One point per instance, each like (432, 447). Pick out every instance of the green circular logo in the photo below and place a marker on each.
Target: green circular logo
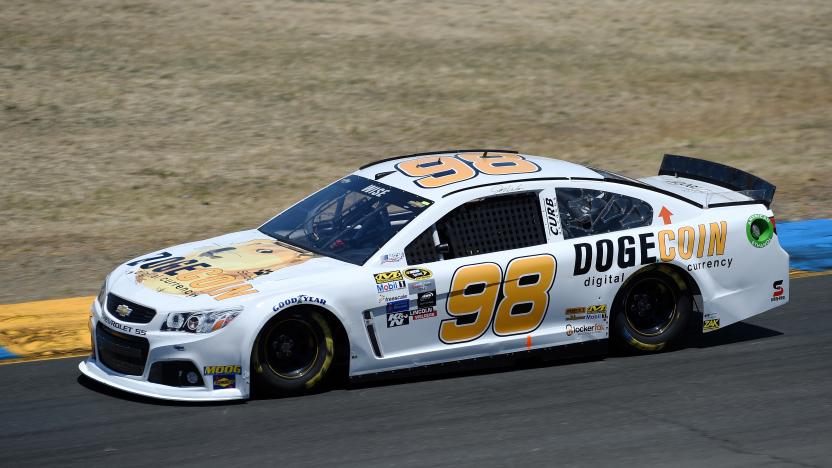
(759, 230)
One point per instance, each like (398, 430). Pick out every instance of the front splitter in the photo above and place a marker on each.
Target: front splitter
(91, 369)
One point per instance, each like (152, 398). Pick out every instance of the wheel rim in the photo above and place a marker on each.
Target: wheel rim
(650, 306)
(291, 348)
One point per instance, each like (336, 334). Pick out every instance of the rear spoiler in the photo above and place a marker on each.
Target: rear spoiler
(718, 174)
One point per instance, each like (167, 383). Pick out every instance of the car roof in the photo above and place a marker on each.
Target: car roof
(385, 171)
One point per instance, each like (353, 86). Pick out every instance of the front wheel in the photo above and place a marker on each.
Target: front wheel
(652, 311)
(293, 352)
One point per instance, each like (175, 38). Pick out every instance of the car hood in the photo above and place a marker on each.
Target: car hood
(220, 272)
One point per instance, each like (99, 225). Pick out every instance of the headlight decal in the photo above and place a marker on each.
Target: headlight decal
(102, 294)
(205, 321)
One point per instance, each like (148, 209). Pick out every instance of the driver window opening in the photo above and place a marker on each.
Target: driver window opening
(487, 225)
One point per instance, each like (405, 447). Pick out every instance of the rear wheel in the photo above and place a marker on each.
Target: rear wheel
(293, 352)
(652, 311)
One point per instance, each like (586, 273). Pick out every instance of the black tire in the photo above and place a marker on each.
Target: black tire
(293, 352)
(652, 311)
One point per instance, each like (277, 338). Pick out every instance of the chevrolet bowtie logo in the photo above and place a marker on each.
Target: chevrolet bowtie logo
(123, 310)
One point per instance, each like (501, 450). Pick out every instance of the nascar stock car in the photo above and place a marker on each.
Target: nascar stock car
(443, 257)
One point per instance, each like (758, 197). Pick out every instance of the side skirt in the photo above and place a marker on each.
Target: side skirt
(560, 353)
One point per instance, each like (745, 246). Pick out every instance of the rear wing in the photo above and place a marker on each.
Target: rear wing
(718, 174)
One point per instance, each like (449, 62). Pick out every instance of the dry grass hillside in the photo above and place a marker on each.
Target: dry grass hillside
(128, 126)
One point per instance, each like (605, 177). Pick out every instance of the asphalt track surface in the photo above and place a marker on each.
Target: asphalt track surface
(758, 393)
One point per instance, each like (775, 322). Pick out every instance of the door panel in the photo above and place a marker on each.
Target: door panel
(505, 285)
(485, 304)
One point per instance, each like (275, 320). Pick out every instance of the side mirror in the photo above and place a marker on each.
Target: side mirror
(443, 249)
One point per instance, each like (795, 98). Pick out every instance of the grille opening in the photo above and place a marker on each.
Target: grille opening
(120, 352)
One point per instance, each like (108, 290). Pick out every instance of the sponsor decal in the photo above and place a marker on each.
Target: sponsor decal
(593, 312)
(392, 258)
(552, 217)
(418, 274)
(397, 319)
(575, 313)
(710, 325)
(685, 243)
(721, 263)
(426, 299)
(779, 293)
(375, 190)
(687, 185)
(382, 299)
(598, 311)
(122, 328)
(300, 299)
(215, 370)
(604, 253)
(398, 306)
(582, 329)
(759, 230)
(222, 272)
(421, 286)
(691, 243)
(601, 280)
(391, 286)
(388, 276)
(423, 313)
(418, 204)
(222, 381)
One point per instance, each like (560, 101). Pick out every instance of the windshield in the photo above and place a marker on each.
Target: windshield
(349, 220)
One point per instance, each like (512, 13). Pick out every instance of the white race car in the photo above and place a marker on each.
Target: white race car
(436, 258)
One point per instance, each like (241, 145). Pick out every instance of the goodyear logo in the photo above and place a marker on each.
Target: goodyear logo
(388, 276)
(213, 370)
(709, 325)
(594, 309)
(418, 273)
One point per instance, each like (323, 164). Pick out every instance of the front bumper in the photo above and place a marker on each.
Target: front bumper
(220, 348)
(92, 369)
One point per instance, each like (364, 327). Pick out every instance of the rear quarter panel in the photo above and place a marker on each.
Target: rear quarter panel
(738, 281)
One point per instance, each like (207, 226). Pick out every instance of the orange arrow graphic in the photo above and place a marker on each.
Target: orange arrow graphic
(665, 215)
